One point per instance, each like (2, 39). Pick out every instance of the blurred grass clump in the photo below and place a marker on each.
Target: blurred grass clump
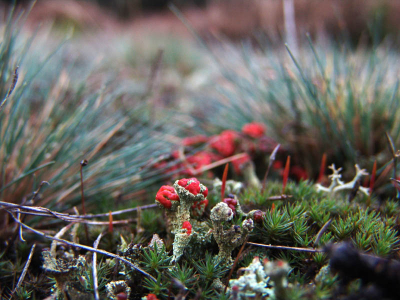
(68, 106)
(325, 98)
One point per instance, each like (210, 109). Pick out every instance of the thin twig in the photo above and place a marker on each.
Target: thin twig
(94, 268)
(84, 247)
(287, 248)
(78, 220)
(280, 197)
(45, 212)
(219, 163)
(35, 193)
(119, 212)
(59, 234)
(21, 238)
(22, 277)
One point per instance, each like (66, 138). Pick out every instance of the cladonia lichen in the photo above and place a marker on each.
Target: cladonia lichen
(186, 194)
(260, 280)
(228, 239)
(338, 185)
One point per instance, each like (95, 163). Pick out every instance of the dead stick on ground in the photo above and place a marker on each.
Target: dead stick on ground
(84, 247)
(47, 212)
(287, 248)
(21, 278)
(94, 268)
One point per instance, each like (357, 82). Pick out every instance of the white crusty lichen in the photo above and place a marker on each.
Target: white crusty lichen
(231, 186)
(339, 185)
(260, 280)
(228, 239)
(116, 288)
(253, 282)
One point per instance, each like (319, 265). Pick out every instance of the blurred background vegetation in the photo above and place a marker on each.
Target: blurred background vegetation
(132, 65)
(123, 83)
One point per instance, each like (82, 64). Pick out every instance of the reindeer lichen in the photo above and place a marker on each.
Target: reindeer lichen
(338, 185)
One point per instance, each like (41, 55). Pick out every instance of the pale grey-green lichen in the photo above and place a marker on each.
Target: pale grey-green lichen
(260, 280)
(63, 269)
(231, 186)
(253, 283)
(338, 185)
(116, 287)
(228, 239)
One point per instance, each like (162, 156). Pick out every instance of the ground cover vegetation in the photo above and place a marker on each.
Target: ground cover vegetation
(158, 171)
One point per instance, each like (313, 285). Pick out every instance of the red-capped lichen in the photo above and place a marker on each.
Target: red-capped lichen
(199, 207)
(255, 130)
(189, 192)
(193, 186)
(165, 194)
(225, 142)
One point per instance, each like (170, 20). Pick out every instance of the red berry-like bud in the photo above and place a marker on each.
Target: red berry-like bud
(231, 202)
(151, 297)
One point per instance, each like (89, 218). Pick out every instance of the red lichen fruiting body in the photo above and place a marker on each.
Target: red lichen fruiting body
(255, 130)
(205, 193)
(165, 194)
(224, 143)
(199, 160)
(198, 205)
(186, 225)
(192, 185)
